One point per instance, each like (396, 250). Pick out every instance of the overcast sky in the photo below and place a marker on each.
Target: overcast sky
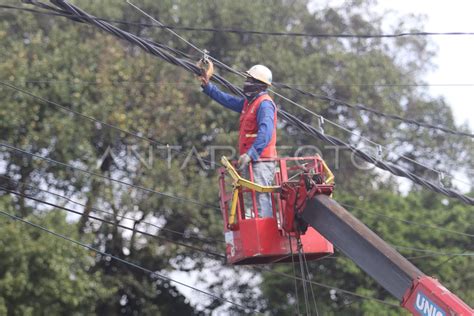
(455, 59)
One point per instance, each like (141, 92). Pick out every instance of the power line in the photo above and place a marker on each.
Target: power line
(251, 32)
(339, 102)
(407, 221)
(214, 254)
(200, 249)
(364, 108)
(208, 252)
(432, 252)
(185, 235)
(181, 83)
(152, 49)
(390, 167)
(167, 195)
(206, 239)
(100, 122)
(267, 269)
(125, 35)
(321, 97)
(153, 273)
(148, 271)
(154, 141)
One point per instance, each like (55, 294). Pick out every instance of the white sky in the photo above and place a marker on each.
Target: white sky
(455, 58)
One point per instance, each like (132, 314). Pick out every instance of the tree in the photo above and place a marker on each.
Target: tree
(91, 72)
(45, 275)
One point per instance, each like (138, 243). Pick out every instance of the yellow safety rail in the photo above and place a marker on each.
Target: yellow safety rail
(241, 182)
(328, 172)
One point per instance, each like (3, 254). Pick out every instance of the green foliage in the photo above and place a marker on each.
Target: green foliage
(93, 73)
(42, 274)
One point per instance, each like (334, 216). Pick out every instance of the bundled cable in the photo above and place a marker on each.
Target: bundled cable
(181, 54)
(79, 15)
(364, 108)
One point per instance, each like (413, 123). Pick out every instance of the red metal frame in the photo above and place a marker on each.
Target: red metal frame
(427, 297)
(266, 240)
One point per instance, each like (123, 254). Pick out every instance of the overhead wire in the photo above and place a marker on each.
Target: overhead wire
(373, 111)
(101, 122)
(293, 88)
(150, 272)
(185, 235)
(281, 96)
(204, 250)
(77, 81)
(251, 32)
(205, 239)
(321, 97)
(392, 168)
(212, 253)
(153, 273)
(268, 269)
(197, 248)
(330, 99)
(150, 140)
(378, 214)
(98, 175)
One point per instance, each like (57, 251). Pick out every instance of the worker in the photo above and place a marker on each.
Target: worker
(257, 129)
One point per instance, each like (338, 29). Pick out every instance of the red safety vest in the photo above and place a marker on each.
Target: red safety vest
(249, 127)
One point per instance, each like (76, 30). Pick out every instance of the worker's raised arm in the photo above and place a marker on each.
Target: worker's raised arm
(227, 100)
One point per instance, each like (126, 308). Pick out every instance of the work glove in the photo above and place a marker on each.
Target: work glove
(243, 161)
(206, 72)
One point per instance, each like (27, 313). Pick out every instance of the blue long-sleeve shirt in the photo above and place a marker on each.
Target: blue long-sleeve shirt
(265, 117)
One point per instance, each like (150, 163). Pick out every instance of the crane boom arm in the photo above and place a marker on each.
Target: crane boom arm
(418, 293)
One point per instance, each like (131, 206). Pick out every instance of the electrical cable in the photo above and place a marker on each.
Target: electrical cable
(214, 254)
(361, 107)
(466, 254)
(202, 250)
(320, 97)
(137, 187)
(153, 273)
(394, 169)
(390, 167)
(310, 284)
(285, 86)
(297, 299)
(279, 273)
(253, 32)
(185, 235)
(442, 229)
(180, 83)
(167, 195)
(100, 122)
(199, 238)
(268, 269)
(243, 75)
(150, 272)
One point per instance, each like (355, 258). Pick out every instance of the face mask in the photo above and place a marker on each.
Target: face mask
(251, 89)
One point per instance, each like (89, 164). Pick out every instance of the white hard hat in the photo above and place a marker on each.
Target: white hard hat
(261, 73)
